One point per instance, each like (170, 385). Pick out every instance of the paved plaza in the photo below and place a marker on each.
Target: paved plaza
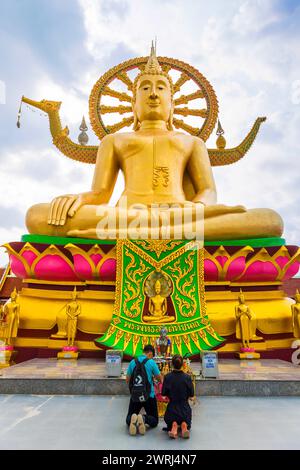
(97, 422)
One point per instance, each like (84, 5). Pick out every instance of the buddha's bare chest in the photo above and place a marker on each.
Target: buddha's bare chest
(155, 151)
(157, 301)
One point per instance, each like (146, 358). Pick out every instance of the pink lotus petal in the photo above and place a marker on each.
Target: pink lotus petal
(210, 270)
(82, 267)
(108, 270)
(54, 268)
(235, 268)
(282, 261)
(70, 348)
(6, 348)
(292, 270)
(17, 267)
(29, 256)
(96, 258)
(260, 271)
(222, 260)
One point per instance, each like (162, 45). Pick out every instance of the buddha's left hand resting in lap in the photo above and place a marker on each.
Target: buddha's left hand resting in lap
(154, 159)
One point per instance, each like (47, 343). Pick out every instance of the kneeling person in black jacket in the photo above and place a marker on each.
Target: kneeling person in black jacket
(178, 387)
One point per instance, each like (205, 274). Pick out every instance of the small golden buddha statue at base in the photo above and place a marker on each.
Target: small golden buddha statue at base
(246, 325)
(9, 325)
(10, 319)
(73, 310)
(296, 315)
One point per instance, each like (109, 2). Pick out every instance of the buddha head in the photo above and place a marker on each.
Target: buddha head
(74, 294)
(153, 94)
(157, 287)
(241, 297)
(14, 295)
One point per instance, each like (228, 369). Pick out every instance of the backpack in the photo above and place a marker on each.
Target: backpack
(139, 385)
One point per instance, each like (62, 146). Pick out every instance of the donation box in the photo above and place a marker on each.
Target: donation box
(113, 360)
(210, 367)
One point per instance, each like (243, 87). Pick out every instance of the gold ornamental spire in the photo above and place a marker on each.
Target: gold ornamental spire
(152, 66)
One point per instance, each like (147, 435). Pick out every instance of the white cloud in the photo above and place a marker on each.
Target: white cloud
(8, 235)
(255, 15)
(73, 106)
(2, 92)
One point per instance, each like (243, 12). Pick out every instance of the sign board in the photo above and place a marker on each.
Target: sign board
(210, 367)
(113, 362)
(113, 359)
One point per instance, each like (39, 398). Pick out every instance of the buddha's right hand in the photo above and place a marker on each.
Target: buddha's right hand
(221, 209)
(63, 206)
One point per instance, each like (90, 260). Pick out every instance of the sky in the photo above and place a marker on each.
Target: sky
(57, 50)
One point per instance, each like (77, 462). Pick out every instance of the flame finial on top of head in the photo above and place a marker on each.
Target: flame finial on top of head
(152, 65)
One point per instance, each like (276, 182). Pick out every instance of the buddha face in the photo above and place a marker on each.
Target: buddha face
(14, 296)
(153, 98)
(157, 287)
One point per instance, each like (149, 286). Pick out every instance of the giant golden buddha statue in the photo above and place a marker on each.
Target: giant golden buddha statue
(160, 167)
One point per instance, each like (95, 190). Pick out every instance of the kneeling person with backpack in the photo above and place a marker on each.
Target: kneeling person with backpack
(140, 375)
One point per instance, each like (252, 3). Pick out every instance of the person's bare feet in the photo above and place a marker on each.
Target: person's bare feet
(185, 433)
(141, 424)
(133, 424)
(173, 434)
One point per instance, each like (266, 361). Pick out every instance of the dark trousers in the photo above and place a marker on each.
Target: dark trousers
(179, 412)
(150, 406)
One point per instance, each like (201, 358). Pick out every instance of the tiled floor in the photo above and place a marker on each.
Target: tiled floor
(97, 422)
(229, 369)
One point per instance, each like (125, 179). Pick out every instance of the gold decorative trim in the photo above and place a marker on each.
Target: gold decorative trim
(54, 283)
(5, 275)
(159, 246)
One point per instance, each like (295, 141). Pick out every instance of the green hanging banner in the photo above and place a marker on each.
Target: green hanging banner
(160, 283)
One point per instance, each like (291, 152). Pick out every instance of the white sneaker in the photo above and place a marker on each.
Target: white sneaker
(133, 424)
(141, 424)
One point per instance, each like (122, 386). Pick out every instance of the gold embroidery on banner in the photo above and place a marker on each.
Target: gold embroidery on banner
(204, 337)
(159, 264)
(110, 332)
(136, 340)
(118, 336)
(119, 277)
(132, 289)
(201, 286)
(177, 341)
(127, 338)
(195, 339)
(159, 246)
(187, 343)
(187, 290)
